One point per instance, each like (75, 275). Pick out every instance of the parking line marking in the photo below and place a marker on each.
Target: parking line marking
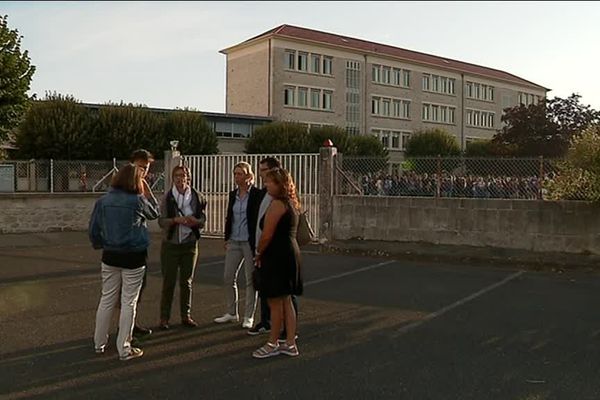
(458, 303)
(356, 271)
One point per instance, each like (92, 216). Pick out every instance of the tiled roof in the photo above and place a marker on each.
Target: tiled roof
(300, 33)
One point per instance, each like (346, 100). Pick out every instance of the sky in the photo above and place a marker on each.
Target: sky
(166, 54)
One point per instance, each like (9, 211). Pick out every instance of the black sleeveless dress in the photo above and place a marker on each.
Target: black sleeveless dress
(280, 271)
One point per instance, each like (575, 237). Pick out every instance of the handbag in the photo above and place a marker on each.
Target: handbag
(305, 233)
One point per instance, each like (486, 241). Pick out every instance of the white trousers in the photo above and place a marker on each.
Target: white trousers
(238, 254)
(128, 283)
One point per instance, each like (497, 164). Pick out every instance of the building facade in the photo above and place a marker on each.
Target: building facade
(297, 74)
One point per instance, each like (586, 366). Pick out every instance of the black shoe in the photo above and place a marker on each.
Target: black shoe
(140, 333)
(259, 329)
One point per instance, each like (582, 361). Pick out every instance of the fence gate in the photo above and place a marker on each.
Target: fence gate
(212, 175)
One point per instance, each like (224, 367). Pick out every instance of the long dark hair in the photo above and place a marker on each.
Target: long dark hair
(287, 191)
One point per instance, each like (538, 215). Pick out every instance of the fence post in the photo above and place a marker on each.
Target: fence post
(327, 157)
(172, 159)
(541, 180)
(114, 162)
(438, 179)
(51, 175)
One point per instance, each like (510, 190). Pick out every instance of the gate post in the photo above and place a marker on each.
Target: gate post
(327, 158)
(172, 159)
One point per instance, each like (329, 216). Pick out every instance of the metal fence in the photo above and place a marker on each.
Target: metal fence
(212, 175)
(459, 177)
(67, 176)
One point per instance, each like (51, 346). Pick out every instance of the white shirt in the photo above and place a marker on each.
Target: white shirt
(264, 205)
(184, 202)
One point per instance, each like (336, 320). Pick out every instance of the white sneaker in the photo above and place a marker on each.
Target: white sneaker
(248, 323)
(226, 318)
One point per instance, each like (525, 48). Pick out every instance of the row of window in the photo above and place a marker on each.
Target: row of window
(528, 98)
(304, 97)
(479, 91)
(308, 62)
(438, 113)
(394, 140)
(438, 84)
(390, 107)
(390, 76)
(480, 119)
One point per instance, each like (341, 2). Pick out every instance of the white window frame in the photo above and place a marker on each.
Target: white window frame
(305, 91)
(289, 96)
(327, 65)
(315, 58)
(289, 53)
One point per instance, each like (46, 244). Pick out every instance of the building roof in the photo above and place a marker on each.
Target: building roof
(305, 34)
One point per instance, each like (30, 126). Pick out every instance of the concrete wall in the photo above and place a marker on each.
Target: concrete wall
(44, 212)
(569, 227)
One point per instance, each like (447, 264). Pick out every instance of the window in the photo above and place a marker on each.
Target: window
(290, 57)
(438, 84)
(405, 78)
(375, 105)
(302, 97)
(387, 72)
(386, 107)
(479, 91)
(327, 97)
(376, 73)
(405, 139)
(327, 65)
(315, 63)
(395, 140)
(480, 118)
(314, 98)
(390, 107)
(438, 113)
(288, 96)
(302, 61)
(397, 77)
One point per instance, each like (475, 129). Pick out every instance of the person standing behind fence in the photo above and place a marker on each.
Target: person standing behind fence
(238, 232)
(278, 262)
(142, 159)
(182, 218)
(118, 227)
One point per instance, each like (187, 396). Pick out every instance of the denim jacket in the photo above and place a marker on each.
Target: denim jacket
(118, 222)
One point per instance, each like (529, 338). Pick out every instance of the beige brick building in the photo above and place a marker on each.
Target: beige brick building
(298, 74)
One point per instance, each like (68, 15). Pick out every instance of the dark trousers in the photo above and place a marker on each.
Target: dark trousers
(177, 258)
(265, 312)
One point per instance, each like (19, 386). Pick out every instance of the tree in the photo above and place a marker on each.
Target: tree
(432, 142)
(121, 128)
(279, 137)
(58, 127)
(579, 175)
(16, 72)
(546, 128)
(318, 135)
(192, 132)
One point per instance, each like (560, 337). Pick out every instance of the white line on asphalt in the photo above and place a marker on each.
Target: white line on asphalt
(458, 303)
(356, 271)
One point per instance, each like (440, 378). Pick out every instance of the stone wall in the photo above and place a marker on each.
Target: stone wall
(568, 227)
(44, 212)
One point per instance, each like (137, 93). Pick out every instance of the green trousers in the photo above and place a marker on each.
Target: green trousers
(177, 258)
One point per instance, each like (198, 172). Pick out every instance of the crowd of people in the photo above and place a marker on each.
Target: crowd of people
(469, 186)
(261, 226)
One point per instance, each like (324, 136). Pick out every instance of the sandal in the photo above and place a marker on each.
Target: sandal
(289, 350)
(266, 351)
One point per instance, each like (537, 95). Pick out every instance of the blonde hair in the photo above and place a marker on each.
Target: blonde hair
(247, 168)
(287, 189)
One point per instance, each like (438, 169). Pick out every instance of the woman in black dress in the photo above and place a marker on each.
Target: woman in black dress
(278, 262)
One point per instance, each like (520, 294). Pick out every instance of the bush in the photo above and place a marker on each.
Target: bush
(432, 142)
(579, 174)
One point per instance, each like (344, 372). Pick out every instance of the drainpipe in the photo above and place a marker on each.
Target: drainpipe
(462, 112)
(366, 94)
(269, 82)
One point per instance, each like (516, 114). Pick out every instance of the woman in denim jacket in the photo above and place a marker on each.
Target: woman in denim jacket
(118, 227)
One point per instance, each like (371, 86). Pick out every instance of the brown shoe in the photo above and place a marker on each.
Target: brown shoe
(189, 322)
(164, 325)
